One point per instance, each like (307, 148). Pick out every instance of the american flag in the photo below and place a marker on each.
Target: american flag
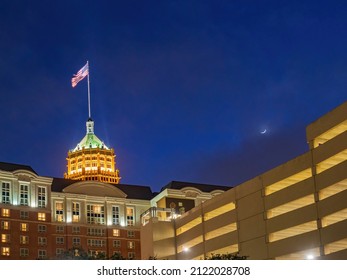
(81, 74)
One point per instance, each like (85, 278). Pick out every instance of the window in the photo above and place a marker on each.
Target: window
(130, 216)
(95, 253)
(59, 251)
(5, 238)
(5, 193)
(116, 232)
(24, 252)
(59, 240)
(116, 243)
(42, 254)
(5, 225)
(131, 244)
(95, 214)
(59, 229)
(24, 239)
(5, 212)
(24, 195)
(42, 228)
(41, 216)
(131, 233)
(24, 227)
(41, 197)
(75, 212)
(115, 215)
(24, 215)
(75, 230)
(59, 211)
(76, 241)
(5, 251)
(42, 241)
(131, 255)
(96, 231)
(96, 242)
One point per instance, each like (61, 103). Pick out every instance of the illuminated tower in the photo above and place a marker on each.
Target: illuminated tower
(92, 160)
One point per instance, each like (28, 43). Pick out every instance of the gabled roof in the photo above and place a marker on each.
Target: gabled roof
(10, 167)
(132, 191)
(202, 187)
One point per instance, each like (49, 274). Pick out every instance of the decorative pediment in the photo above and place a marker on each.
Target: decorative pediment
(25, 175)
(191, 192)
(216, 192)
(95, 188)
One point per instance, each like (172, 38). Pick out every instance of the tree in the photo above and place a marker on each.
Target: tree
(227, 256)
(74, 253)
(117, 256)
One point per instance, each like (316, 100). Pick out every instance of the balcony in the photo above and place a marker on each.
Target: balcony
(158, 214)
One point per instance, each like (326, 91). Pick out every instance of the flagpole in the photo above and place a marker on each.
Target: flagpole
(88, 91)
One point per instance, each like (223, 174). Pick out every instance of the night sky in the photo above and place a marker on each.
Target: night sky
(180, 89)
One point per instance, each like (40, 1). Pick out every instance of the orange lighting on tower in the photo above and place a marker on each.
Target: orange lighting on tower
(92, 160)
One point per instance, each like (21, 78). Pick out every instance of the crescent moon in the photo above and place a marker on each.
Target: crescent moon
(263, 132)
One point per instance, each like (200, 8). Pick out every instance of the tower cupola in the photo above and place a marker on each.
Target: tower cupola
(92, 160)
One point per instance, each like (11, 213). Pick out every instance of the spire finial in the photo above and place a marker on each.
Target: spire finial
(90, 126)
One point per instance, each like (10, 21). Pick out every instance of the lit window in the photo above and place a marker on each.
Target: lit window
(116, 232)
(5, 251)
(24, 252)
(130, 216)
(41, 197)
(59, 211)
(5, 238)
(5, 212)
(5, 225)
(24, 195)
(42, 254)
(5, 193)
(24, 239)
(41, 216)
(75, 212)
(131, 244)
(24, 226)
(95, 214)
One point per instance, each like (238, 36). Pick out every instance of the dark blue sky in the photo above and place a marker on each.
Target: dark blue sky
(180, 89)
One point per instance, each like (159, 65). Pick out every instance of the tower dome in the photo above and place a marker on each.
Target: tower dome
(92, 160)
